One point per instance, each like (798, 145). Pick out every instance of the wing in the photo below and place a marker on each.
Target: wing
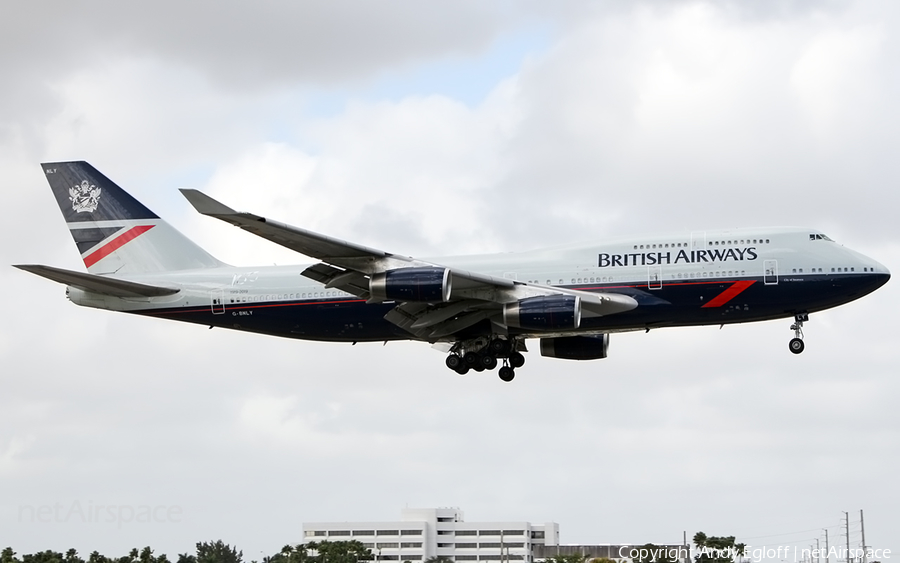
(359, 270)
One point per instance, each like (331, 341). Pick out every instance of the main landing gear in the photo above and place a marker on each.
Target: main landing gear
(796, 344)
(480, 355)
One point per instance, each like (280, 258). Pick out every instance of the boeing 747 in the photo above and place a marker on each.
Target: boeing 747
(479, 309)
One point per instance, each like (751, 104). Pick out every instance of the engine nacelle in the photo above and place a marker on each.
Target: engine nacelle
(428, 285)
(551, 312)
(576, 347)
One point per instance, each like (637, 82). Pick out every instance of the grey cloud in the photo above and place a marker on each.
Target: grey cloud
(754, 154)
(236, 47)
(245, 46)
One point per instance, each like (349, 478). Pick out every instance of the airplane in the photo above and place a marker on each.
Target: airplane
(480, 310)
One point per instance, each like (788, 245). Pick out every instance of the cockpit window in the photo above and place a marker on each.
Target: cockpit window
(818, 236)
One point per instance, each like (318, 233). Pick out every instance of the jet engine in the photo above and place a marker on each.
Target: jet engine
(427, 285)
(550, 312)
(576, 347)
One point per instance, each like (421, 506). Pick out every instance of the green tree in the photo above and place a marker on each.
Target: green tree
(567, 558)
(8, 556)
(339, 552)
(291, 554)
(48, 556)
(186, 558)
(716, 549)
(218, 552)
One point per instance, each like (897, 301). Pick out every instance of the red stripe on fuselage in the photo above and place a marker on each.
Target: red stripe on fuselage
(730, 293)
(115, 244)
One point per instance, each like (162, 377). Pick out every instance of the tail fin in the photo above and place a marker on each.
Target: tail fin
(115, 232)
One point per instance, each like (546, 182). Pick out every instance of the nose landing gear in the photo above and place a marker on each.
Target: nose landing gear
(796, 344)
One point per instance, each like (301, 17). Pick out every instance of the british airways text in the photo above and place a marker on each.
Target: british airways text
(658, 258)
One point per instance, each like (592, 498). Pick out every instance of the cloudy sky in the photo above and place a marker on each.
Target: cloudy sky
(450, 128)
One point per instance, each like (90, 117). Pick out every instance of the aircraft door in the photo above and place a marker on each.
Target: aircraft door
(770, 272)
(654, 277)
(698, 240)
(217, 301)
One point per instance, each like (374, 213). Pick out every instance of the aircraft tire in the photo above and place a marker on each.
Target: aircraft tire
(463, 369)
(796, 345)
(499, 347)
(507, 373)
(453, 361)
(471, 359)
(489, 362)
(516, 359)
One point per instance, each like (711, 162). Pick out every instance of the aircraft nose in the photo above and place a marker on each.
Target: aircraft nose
(882, 274)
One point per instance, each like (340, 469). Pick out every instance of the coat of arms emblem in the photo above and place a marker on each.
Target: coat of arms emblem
(85, 197)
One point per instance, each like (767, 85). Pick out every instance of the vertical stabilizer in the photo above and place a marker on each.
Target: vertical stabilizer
(115, 232)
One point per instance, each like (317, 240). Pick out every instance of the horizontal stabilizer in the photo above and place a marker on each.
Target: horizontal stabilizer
(97, 284)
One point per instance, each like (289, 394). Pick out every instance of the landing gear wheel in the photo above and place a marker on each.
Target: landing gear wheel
(463, 369)
(453, 361)
(796, 344)
(499, 347)
(488, 362)
(516, 359)
(507, 373)
(471, 359)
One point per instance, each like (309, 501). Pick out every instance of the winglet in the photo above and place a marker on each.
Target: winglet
(205, 204)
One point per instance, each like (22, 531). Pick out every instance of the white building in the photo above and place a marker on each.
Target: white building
(439, 532)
